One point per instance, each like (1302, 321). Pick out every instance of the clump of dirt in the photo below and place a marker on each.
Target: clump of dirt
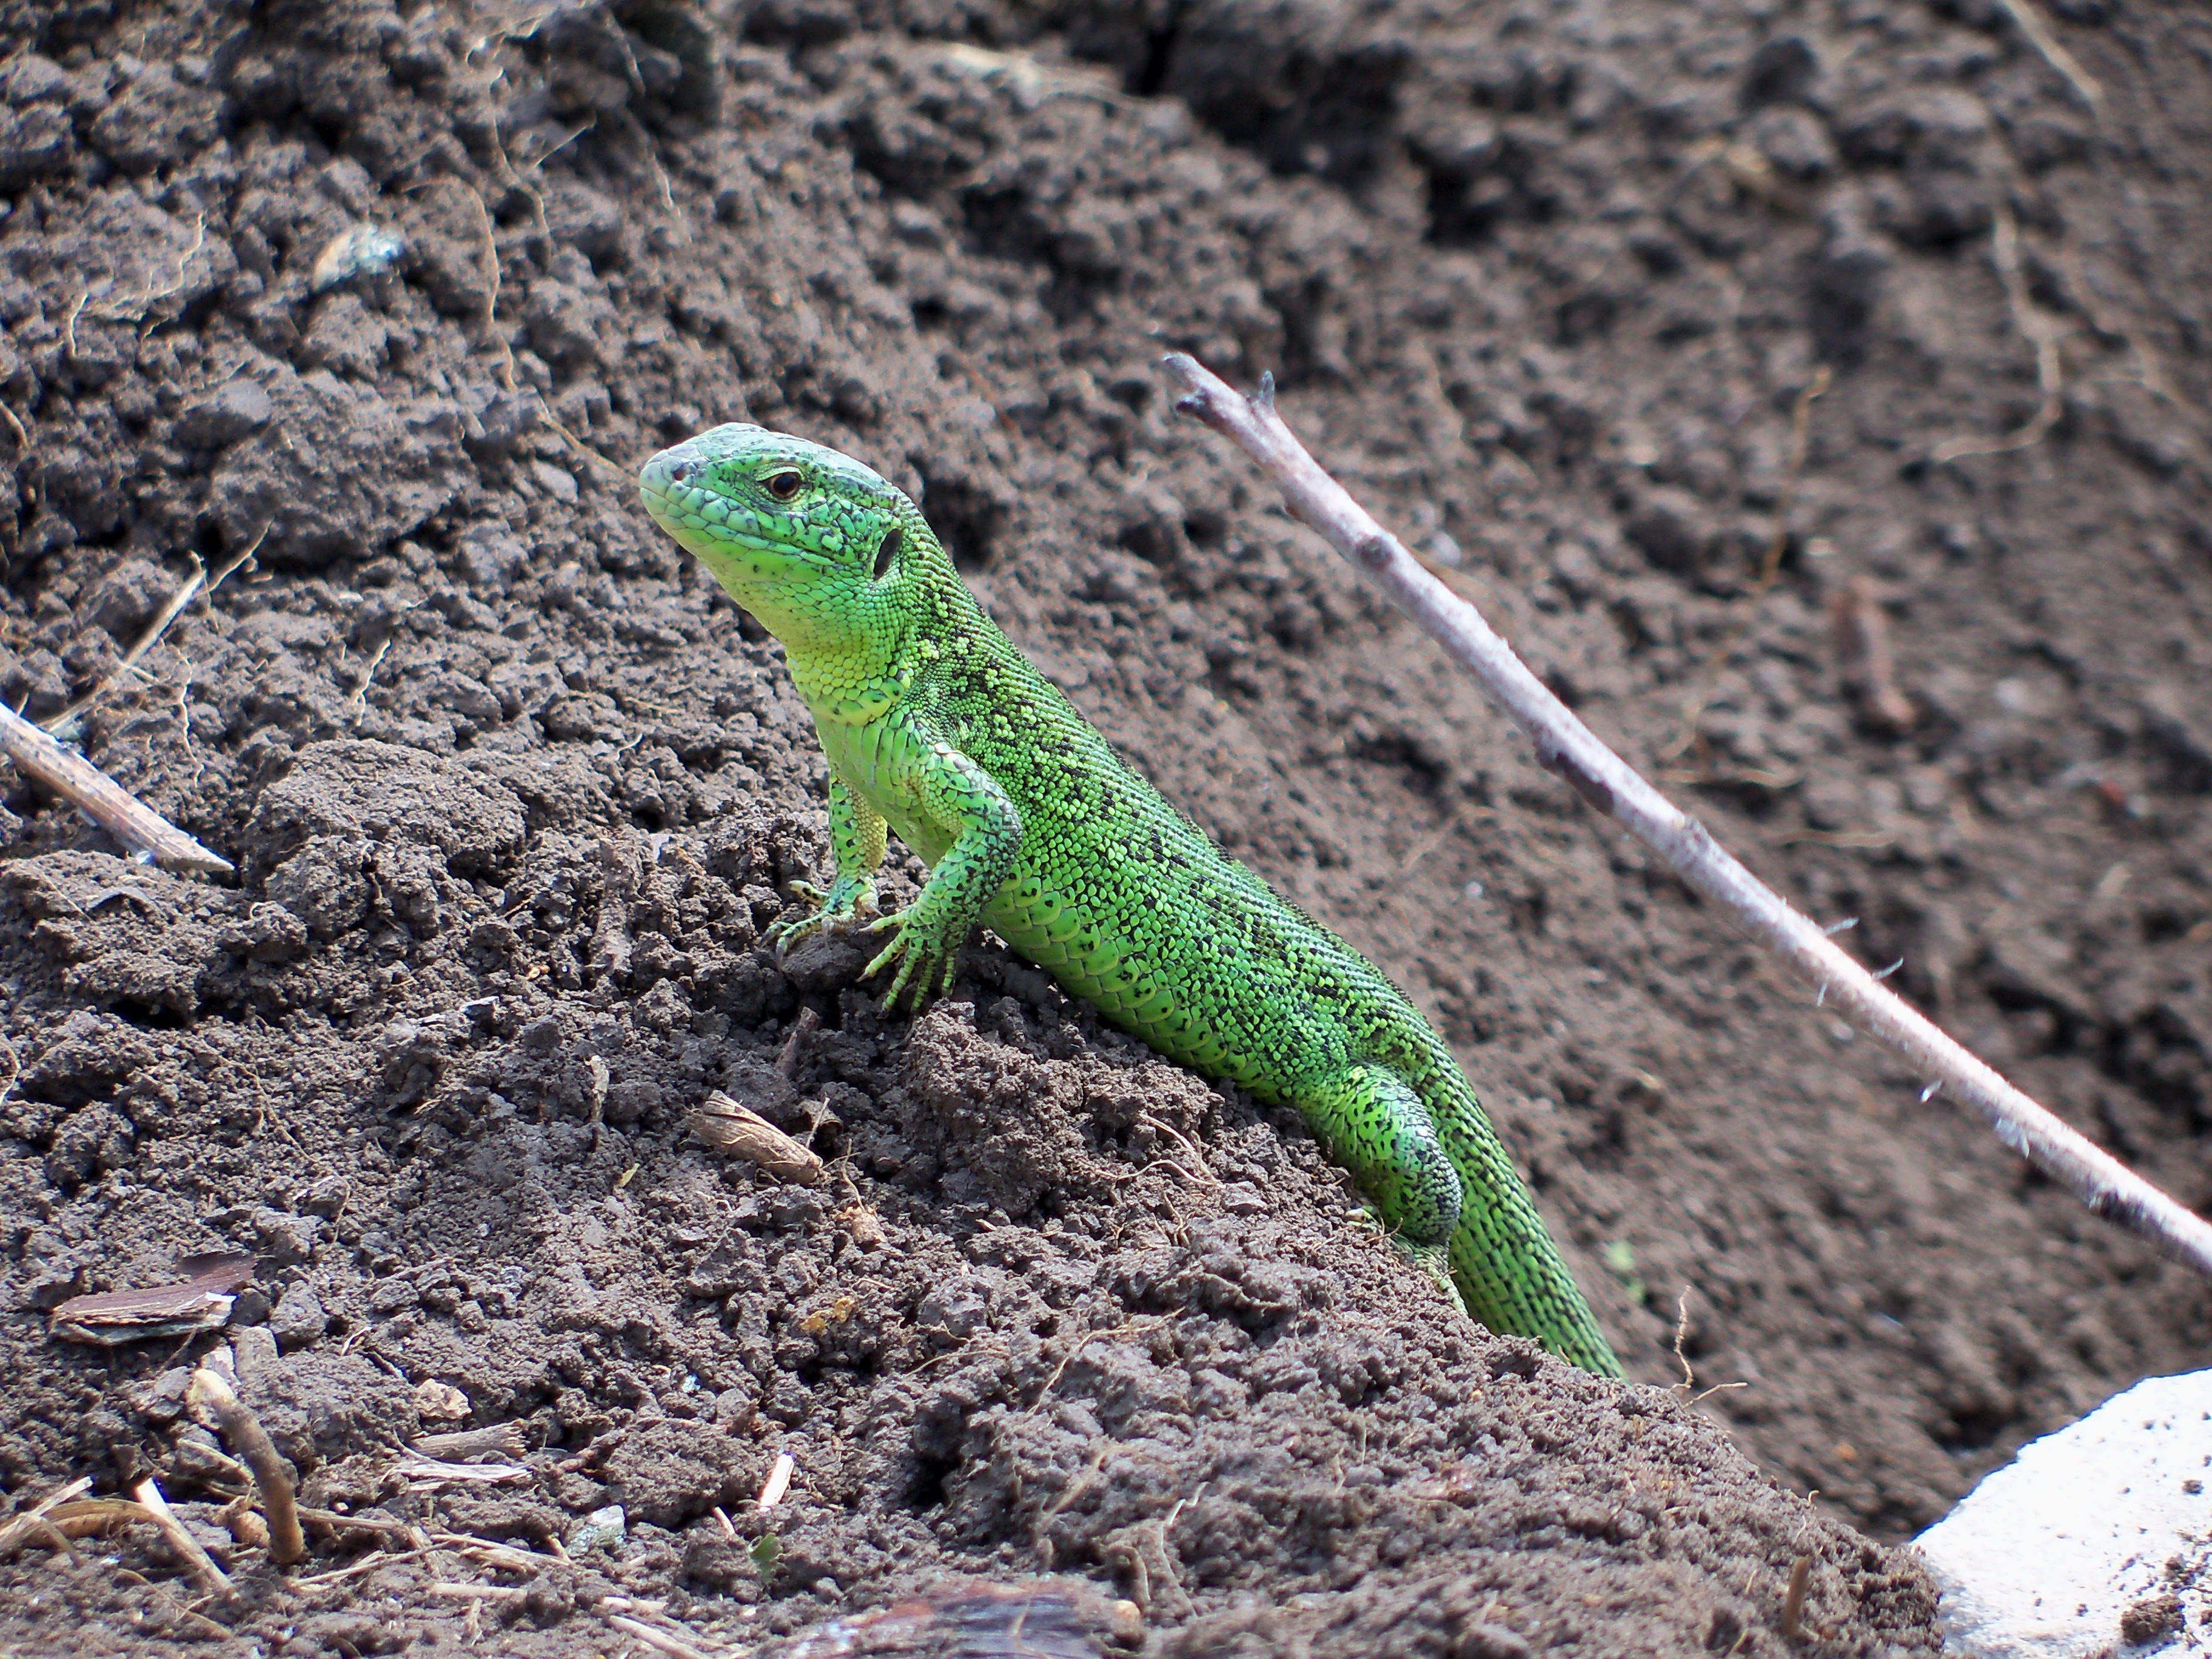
(515, 795)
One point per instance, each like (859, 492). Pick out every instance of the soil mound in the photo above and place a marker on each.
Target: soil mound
(309, 293)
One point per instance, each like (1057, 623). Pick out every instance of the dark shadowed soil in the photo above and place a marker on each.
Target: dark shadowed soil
(513, 794)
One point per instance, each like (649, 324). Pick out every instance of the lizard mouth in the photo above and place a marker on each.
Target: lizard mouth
(663, 483)
(709, 526)
(686, 511)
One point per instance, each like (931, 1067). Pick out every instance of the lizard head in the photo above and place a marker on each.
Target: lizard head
(813, 543)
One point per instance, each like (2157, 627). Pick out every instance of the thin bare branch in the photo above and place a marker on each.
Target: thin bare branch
(67, 725)
(661, 1641)
(1564, 745)
(106, 802)
(794, 1046)
(1793, 1600)
(502, 1438)
(32, 1523)
(505, 1595)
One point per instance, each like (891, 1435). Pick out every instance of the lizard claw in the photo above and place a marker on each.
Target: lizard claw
(1435, 1260)
(926, 960)
(845, 903)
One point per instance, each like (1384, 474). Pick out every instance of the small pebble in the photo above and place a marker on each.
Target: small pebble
(362, 250)
(602, 1530)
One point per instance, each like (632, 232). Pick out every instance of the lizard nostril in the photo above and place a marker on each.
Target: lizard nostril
(682, 471)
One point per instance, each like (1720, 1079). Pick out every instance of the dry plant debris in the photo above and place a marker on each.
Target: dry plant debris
(84, 786)
(201, 1302)
(732, 1127)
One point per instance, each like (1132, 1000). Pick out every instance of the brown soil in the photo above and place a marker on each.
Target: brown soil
(514, 793)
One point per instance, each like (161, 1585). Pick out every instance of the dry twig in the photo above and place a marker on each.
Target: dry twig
(368, 1564)
(20, 1529)
(210, 1391)
(505, 1594)
(357, 700)
(99, 798)
(1687, 1387)
(190, 1555)
(778, 1482)
(66, 725)
(483, 1551)
(2040, 331)
(503, 1438)
(1858, 629)
(377, 1526)
(2031, 23)
(1564, 745)
(1793, 1599)
(1205, 1177)
(794, 1046)
(424, 1473)
(659, 1641)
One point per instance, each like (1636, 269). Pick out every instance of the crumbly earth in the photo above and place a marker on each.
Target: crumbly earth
(513, 794)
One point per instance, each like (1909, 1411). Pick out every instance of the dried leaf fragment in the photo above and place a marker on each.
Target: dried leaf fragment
(866, 1226)
(423, 1473)
(200, 1303)
(500, 1439)
(441, 1402)
(729, 1126)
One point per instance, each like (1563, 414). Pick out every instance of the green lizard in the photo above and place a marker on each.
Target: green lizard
(936, 727)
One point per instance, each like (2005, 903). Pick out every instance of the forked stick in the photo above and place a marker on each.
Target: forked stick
(1566, 746)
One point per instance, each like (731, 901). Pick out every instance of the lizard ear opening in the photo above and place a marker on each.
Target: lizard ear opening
(887, 550)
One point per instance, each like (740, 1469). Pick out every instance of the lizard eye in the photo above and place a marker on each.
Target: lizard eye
(785, 485)
(886, 550)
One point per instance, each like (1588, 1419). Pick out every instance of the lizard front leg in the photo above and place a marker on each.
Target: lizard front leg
(856, 846)
(959, 796)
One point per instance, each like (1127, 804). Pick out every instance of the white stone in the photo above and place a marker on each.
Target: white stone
(2045, 1558)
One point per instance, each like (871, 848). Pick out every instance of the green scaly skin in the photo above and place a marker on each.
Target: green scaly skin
(937, 728)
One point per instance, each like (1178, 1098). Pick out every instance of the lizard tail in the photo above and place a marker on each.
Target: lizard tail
(1506, 1265)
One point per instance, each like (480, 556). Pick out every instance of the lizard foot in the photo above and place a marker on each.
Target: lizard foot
(850, 901)
(1435, 1260)
(925, 949)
